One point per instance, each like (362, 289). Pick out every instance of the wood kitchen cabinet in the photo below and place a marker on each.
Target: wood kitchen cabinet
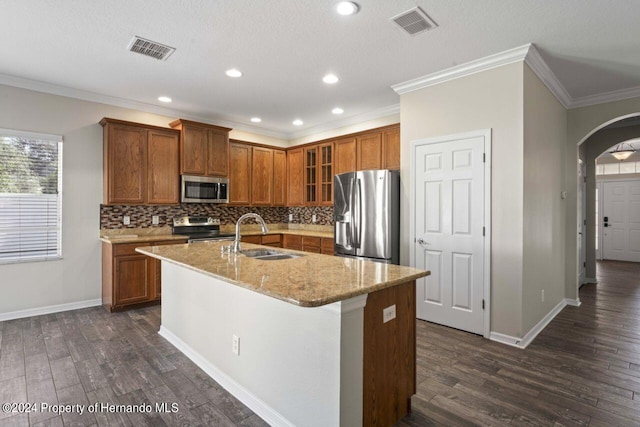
(327, 246)
(391, 148)
(279, 177)
(140, 163)
(204, 148)
(261, 176)
(295, 174)
(345, 155)
(318, 175)
(240, 173)
(369, 151)
(274, 240)
(130, 279)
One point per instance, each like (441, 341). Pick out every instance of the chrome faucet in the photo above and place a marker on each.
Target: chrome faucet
(236, 242)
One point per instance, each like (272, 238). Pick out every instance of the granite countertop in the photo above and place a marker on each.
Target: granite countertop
(143, 235)
(309, 281)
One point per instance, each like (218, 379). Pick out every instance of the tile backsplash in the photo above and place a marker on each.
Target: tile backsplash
(111, 216)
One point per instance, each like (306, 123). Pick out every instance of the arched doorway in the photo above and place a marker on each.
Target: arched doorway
(597, 142)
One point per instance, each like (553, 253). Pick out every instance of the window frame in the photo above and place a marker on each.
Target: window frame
(45, 137)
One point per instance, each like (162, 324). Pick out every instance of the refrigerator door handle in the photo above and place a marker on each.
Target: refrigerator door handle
(351, 240)
(358, 213)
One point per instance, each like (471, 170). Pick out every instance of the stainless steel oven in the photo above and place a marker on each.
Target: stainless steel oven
(204, 189)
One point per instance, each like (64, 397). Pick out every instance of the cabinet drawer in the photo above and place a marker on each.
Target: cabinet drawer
(311, 244)
(290, 241)
(271, 238)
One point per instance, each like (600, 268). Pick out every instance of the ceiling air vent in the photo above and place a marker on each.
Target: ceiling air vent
(149, 48)
(414, 21)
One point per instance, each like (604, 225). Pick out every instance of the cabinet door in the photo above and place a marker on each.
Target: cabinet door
(279, 178)
(345, 156)
(327, 246)
(155, 279)
(291, 241)
(163, 174)
(239, 174)
(132, 281)
(325, 174)
(311, 176)
(218, 157)
(391, 149)
(194, 150)
(262, 176)
(369, 151)
(125, 154)
(311, 244)
(295, 168)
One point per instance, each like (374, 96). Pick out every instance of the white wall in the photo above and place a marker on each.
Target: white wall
(545, 133)
(77, 277)
(490, 99)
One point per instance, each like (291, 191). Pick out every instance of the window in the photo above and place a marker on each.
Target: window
(30, 196)
(617, 168)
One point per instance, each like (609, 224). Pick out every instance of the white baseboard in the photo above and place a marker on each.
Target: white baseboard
(267, 413)
(590, 280)
(573, 302)
(533, 333)
(49, 309)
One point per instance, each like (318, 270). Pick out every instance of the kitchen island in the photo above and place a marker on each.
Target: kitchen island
(300, 341)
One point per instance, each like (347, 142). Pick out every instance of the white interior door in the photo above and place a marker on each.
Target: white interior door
(621, 220)
(449, 216)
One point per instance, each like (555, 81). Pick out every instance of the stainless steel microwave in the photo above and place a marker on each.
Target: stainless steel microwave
(204, 189)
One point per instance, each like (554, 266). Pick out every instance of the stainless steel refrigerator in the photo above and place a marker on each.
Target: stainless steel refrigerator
(367, 215)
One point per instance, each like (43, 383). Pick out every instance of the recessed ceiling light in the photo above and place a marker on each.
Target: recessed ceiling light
(337, 110)
(164, 99)
(347, 8)
(298, 122)
(330, 79)
(234, 73)
(256, 119)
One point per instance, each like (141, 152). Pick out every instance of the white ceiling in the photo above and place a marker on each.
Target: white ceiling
(284, 47)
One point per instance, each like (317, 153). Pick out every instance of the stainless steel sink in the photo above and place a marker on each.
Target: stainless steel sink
(267, 254)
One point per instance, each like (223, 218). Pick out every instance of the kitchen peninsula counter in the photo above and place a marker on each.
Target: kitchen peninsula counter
(316, 340)
(310, 280)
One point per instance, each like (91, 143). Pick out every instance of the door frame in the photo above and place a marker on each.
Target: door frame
(486, 134)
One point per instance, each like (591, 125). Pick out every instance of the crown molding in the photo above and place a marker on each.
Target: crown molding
(534, 60)
(601, 98)
(348, 121)
(487, 63)
(83, 95)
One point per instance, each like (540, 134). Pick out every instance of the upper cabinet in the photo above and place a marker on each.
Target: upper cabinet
(279, 177)
(318, 174)
(262, 176)
(204, 148)
(369, 151)
(345, 155)
(391, 148)
(140, 163)
(239, 173)
(295, 173)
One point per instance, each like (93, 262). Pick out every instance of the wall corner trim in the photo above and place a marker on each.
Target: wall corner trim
(49, 309)
(533, 333)
(267, 413)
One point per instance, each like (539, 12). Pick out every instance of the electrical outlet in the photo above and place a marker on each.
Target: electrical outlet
(290, 217)
(389, 313)
(235, 345)
(542, 296)
(155, 220)
(126, 220)
(313, 218)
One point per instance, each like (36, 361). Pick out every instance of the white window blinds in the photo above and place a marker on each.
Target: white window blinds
(30, 196)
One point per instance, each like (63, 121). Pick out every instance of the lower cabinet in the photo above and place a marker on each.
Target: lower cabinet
(130, 279)
(267, 240)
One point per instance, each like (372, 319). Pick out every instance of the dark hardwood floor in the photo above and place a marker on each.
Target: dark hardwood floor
(583, 369)
(89, 355)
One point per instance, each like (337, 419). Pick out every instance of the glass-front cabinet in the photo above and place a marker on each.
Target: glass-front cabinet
(318, 174)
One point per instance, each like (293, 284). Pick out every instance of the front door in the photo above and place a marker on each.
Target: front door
(449, 220)
(621, 220)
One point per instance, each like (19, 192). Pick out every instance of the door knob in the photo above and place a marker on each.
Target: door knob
(421, 241)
